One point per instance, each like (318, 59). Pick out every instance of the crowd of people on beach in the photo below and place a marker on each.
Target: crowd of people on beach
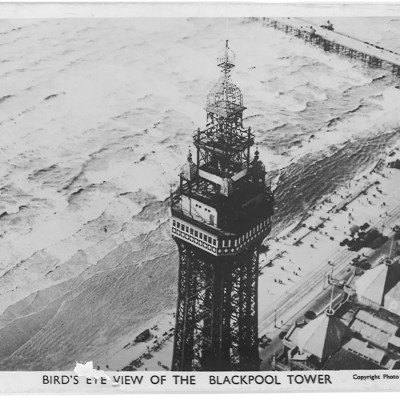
(347, 197)
(158, 344)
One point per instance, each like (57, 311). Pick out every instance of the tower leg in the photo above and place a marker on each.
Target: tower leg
(245, 312)
(184, 332)
(216, 318)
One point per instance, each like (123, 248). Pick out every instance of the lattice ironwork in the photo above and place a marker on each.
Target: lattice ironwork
(216, 322)
(225, 99)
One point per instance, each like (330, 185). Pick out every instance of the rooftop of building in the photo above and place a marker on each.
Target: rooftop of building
(370, 342)
(346, 360)
(392, 300)
(377, 282)
(321, 337)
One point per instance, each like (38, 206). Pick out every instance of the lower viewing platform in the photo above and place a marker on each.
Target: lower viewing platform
(218, 243)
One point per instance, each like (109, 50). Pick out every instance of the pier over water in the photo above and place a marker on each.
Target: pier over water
(330, 40)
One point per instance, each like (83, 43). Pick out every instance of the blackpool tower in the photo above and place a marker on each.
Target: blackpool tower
(221, 213)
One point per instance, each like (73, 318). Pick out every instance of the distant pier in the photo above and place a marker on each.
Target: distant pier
(332, 41)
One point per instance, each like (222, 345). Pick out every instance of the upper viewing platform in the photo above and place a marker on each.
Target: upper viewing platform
(218, 142)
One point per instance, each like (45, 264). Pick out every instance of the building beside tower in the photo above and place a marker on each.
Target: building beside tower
(361, 332)
(221, 213)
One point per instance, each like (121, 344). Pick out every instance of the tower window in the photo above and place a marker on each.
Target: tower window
(201, 236)
(196, 233)
(173, 223)
(214, 242)
(191, 231)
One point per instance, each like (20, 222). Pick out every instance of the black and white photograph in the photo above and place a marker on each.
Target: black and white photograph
(200, 194)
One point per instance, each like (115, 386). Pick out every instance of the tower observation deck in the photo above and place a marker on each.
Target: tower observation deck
(221, 213)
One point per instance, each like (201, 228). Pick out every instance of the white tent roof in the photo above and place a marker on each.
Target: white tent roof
(372, 284)
(322, 336)
(392, 300)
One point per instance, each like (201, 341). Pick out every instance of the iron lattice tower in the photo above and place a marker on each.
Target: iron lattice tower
(221, 213)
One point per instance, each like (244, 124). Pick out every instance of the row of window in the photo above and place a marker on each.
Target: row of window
(194, 233)
(210, 240)
(373, 326)
(362, 355)
(236, 242)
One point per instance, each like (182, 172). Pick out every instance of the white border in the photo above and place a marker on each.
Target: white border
(163, 9)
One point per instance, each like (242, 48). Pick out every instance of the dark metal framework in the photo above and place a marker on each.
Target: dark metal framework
(216, 319)
(221, 153)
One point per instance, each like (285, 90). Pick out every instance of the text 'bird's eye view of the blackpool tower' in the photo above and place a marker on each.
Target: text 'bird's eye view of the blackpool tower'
(221, 213)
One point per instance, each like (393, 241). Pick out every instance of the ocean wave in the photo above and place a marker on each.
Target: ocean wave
(335, 120)
(379, 78)
(250, 117)
(71, 182)
(307, 63)
(52, 96)
(278, 127)
(40, 172)
(13, 210)
(4, 98)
